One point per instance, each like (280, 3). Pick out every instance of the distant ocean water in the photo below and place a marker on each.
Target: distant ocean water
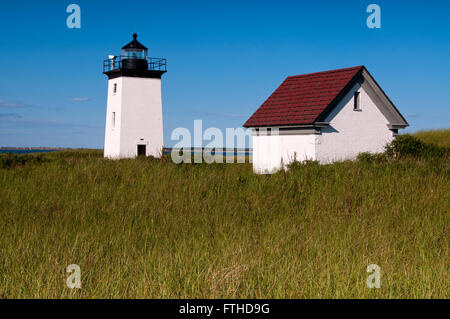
(25, 151)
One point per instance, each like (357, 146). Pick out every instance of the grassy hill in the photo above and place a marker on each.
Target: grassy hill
(438, 137)
(148, 228)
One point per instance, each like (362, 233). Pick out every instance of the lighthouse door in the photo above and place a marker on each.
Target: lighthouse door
(141, 150)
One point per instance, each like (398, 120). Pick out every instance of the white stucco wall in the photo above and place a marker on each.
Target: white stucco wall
(352, 132)
(271, 152)
(138, 108)
(112, 134)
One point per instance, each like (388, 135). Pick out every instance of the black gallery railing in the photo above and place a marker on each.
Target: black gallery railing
(118, 62)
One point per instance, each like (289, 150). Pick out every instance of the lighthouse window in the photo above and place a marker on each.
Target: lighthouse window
(113, 120)
(134, 54)
(115, 88)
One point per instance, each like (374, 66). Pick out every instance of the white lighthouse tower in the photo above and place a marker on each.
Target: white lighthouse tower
(134, 123)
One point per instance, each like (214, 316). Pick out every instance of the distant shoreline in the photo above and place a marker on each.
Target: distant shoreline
(28, 150)
(34, 148)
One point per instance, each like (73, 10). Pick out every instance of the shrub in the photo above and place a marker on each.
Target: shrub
(367, 157)
(297, 164)
(9, 160)
(410, 146)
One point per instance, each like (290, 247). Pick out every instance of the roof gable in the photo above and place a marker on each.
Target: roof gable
(307, 99)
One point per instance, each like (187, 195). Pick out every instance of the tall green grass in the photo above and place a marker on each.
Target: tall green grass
(148, 228)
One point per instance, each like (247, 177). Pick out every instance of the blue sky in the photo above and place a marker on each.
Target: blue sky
(224, 59)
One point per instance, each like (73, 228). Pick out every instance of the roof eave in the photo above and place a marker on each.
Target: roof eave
(404, 123)
(397, 126)
(290, 126)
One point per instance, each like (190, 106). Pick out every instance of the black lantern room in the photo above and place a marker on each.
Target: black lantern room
(135, 62)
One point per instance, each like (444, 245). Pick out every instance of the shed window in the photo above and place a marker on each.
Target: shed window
(115, 88)
(357, 102)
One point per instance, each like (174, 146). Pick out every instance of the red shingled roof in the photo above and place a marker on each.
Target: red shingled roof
(301, 99)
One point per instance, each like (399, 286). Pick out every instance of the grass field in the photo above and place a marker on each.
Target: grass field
(148, 228)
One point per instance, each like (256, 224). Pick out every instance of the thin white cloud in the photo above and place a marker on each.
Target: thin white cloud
(10, 115)
(13, 105)
(229, 115)
(17, 121)
(80, 99)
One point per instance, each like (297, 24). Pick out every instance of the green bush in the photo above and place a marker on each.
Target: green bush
(410, 146)
(367, 157)
(298, 164)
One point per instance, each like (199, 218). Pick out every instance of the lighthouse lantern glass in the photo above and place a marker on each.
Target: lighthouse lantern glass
(135, 53)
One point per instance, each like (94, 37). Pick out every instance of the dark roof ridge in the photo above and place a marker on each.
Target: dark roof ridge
(326, 72)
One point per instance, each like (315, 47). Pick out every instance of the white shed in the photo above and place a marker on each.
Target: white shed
(326, 116)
